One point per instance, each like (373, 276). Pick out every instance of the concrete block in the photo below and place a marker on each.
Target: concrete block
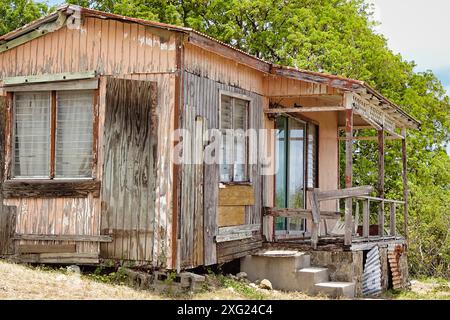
(336, 289)
(308, 277)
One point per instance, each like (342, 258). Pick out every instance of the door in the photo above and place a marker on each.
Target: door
(290, 177)
(129, 174)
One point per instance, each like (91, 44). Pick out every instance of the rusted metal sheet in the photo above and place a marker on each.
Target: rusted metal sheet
(129, 177)
(371, 282)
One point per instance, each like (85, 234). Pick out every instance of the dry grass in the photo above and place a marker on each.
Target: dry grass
(21, 282)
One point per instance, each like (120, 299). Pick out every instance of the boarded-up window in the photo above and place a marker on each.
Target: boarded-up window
(43, 117)
(234, 147)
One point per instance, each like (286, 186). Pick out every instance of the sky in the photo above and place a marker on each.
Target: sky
(417, 29)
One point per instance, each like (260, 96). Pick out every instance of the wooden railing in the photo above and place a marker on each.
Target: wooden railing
(357, 194)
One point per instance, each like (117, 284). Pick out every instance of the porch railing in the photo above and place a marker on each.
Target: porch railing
(351, 196)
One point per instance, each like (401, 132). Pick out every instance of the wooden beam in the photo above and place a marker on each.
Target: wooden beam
(299, 213)
(392, 220)
(239, 229)
(348, 175)
(344, 193)
(39, 32)
(315, 207)
(405, 185)
(366, 212)
(62, 237)
(380, 187)
(11, 81)
(51, 188)
(84, 84)
(370, 138)
(304, 109)
(46, 248)
(228, 52)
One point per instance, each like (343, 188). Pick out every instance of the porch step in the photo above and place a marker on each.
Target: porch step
(308, 277)
(278, 266)
(335, 289)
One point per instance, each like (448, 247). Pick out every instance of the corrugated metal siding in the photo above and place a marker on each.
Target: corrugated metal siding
(371, 283)
(202, 95)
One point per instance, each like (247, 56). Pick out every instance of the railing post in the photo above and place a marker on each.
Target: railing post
(392, 220)
(348, 174)
(356, 221)
(366, 210)
(381, 219)
(405, 185)
(315, 211)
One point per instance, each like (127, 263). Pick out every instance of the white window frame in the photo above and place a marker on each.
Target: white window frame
(248, 147)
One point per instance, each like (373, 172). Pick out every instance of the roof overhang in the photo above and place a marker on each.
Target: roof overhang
(224, 49)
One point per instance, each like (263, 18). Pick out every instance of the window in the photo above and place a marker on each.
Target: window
(296, 156)
(53, 134)
(234, 147)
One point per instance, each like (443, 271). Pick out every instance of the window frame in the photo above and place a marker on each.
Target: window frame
(249, 100)
(10, 136)
(306, 190)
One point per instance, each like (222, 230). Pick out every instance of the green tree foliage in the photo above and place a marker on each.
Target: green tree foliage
(16, 13)
(334, 36)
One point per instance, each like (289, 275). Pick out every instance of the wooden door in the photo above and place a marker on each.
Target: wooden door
(129, 170)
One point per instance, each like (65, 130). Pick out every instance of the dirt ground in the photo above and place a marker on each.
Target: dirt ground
(23, 282)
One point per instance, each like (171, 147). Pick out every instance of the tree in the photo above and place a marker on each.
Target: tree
(16, 13)
(334, 36)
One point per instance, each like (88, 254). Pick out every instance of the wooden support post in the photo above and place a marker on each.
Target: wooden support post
(392, 220)
(315, 210)
(348, 174)
(366, 211)
(405, 185)
(356, 222)
(381, 181)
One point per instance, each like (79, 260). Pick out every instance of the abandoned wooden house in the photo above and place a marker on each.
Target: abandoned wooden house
(91, 104)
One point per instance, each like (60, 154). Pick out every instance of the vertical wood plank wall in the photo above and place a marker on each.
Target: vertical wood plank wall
(124, 50)
(201, 97)
(129, 177)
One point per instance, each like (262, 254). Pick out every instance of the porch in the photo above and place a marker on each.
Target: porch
(364, 216)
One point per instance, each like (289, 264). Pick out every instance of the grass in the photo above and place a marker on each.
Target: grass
(43, 282)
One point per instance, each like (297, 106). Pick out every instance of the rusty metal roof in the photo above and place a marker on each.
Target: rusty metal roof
(305, 75)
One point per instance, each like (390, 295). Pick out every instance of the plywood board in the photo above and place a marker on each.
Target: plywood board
(236, 195)
(231, 216)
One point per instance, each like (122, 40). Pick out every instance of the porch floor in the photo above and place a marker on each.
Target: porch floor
(335, 243)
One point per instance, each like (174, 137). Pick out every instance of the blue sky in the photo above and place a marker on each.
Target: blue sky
(418, 30)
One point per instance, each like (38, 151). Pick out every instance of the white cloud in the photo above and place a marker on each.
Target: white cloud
(417, 29)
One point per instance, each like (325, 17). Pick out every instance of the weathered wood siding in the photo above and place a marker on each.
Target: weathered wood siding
(58, 216)
(110, 47)
(125, 50)
(221, 69)
(201, 97)
(129, 177)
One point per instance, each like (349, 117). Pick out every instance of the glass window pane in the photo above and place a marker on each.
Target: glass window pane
(296, 164)
(280, 178)
(312, 155)
(32, 134)
(74, 134)
(240, 141)
(226, 148)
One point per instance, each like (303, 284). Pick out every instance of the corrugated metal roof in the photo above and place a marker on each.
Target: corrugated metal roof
(306, 75)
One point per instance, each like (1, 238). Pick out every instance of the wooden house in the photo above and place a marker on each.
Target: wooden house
(91, 104)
